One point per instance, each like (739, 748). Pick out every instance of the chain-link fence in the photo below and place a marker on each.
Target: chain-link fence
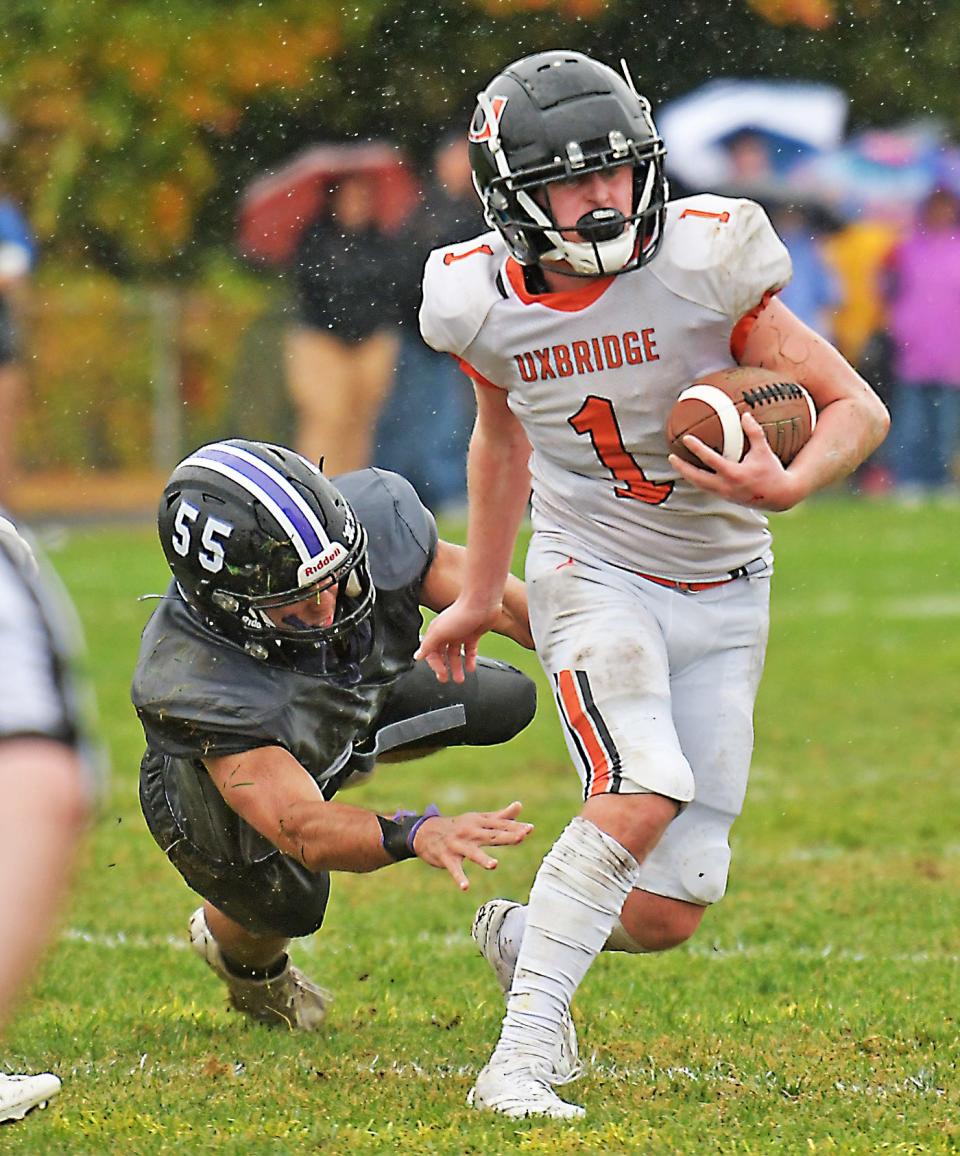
(122, 380)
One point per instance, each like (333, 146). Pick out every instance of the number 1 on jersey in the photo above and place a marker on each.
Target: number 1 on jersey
(597, 418)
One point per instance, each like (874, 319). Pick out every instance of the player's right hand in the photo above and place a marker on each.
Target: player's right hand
(449, 646)
(759, 480)
(446, 841)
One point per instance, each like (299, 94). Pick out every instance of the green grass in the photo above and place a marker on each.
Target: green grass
(815, 1011)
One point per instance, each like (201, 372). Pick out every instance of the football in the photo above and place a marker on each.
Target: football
(710, 409)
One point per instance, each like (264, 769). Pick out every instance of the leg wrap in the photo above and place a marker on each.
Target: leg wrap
(576, 898)
(619, 940)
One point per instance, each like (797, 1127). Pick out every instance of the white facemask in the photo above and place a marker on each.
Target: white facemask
(598, 258)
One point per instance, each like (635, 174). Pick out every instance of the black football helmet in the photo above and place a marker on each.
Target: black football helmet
(556, 116)
(248, 527)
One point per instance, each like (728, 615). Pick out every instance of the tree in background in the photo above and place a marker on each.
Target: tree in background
(139, 123)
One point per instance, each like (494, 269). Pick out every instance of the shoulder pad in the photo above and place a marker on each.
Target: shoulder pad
(17, 547)
(722, 253)
(401, 531)
(459, 289)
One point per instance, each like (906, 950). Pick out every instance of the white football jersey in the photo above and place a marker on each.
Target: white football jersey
(592, 374)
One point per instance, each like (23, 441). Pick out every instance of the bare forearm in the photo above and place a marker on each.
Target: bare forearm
(272, 792)
(852, 420)
(848, 431)
(444, 581)
(514, 619)
(335, 837)
(332, 837)
(438, 840)
(499, 488)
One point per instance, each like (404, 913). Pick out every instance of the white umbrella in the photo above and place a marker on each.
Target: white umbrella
(793, 118)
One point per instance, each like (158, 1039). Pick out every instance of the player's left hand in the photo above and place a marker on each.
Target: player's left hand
(759, 480)
(447, 840)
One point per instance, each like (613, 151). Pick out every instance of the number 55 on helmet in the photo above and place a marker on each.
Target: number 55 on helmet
(248, 527)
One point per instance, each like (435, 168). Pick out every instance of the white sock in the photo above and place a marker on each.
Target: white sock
(575, 901)
(512, 928)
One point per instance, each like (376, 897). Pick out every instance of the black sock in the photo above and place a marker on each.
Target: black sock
(242, 971)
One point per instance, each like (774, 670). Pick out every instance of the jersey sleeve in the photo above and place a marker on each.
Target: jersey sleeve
(722, 253)
(459, 289)
(200, 737)
(197, 700)
(401, 531)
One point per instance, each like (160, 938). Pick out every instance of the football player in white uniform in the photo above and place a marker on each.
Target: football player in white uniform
(49, 776)
(580, 318)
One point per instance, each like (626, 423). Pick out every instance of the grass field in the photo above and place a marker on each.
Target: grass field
(815, 1011)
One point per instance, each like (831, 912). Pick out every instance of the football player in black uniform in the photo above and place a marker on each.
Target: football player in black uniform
(279, 668)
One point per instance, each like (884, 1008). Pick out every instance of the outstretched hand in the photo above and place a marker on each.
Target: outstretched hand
(759, 480)
(449, 646)
(446, 841)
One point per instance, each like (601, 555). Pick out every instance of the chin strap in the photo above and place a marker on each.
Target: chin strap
(596, 258)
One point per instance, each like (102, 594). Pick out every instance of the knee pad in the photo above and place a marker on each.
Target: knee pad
(692, 859)
(276, 896)
(704, 873)
(285, 898)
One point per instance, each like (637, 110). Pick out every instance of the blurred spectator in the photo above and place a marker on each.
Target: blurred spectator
(814, 291)
(751, 164)
(752, 171)
(17, 256)
(859, 252)
(924, 300)
(342, 352)
(46, 779)
(426, 424)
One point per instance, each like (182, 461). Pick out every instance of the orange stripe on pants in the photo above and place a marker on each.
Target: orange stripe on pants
(580, 723)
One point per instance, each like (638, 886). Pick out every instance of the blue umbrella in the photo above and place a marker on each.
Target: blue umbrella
(881, 172)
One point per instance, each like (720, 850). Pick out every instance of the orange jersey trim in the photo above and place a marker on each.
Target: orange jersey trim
(569, 301)
(475, 374)
(741, 331)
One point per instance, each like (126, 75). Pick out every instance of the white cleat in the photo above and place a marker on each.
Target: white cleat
(289, 999)
(487, 925)
(21, 1094)
(518, 1093)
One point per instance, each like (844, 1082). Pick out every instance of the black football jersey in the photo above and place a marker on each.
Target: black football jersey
(198, 695)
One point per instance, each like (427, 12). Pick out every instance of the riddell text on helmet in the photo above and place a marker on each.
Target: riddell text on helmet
(590, 356)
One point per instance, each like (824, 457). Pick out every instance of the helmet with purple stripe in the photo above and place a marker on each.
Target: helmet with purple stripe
(249, 528)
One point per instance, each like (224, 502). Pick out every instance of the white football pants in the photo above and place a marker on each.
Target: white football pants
(656, 690)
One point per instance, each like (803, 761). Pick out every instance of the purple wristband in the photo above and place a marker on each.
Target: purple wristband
(397, 834)
(430, 813)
